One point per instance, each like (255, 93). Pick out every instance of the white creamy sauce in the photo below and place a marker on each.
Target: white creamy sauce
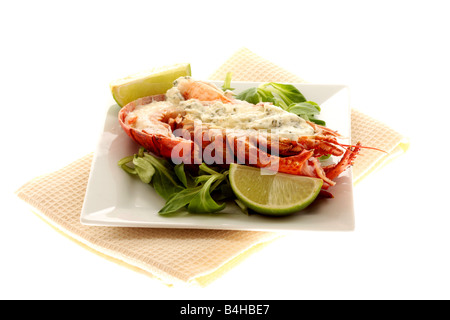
(240, 117)
(174, 96)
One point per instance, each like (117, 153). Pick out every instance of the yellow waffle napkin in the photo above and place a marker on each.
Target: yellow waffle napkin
(176, 255)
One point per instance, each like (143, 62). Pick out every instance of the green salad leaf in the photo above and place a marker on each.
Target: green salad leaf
(285, 96)
(307, 110)
(177, 186)
(250, 95)
(164, 179)
(181, 174)
(198, 198)
(227, 83)
(203, 201)
(144, 169)
(179, 200)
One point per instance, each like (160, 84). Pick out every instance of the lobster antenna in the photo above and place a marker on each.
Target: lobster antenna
(363, 147)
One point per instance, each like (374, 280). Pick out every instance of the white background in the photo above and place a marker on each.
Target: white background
(58, 57)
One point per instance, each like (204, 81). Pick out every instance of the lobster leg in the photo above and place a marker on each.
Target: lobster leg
(322, 145)
(346, 161)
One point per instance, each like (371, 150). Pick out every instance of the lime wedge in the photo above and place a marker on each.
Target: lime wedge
(273, 194)
(148, 83)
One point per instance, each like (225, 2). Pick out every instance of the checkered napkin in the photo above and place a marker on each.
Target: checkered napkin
(175, 255)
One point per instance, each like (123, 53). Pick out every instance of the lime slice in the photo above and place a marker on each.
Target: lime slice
(273, 194)
(148, 83)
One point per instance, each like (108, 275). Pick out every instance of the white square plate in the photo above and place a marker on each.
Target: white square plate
(115, 198)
